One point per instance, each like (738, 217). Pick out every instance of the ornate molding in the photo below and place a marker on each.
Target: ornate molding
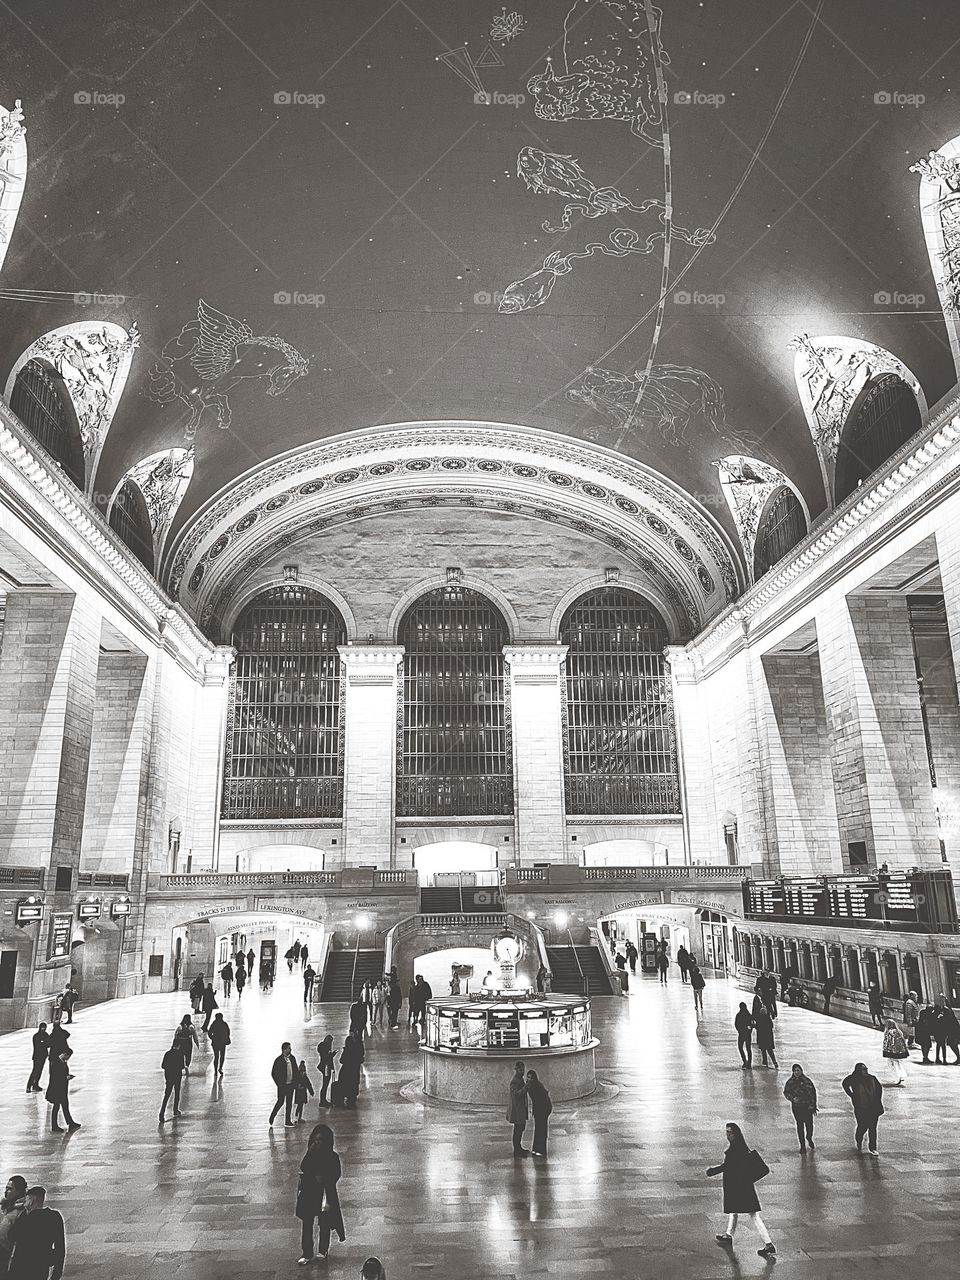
(748, 484)
(163, 479)
(940, 214)
(13, 171)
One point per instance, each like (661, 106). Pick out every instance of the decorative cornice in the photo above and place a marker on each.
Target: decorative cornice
(360, 656)
(535, 655)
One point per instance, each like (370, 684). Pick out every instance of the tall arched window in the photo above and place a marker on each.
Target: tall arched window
(284, 755)
(619, 740)
(782, 525)
(43, 405)
(130, 521)
(455, 758)
(883, 417)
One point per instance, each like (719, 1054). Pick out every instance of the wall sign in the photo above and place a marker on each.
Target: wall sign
(645, 900)
(90, 909)
(29, 910)
(61, 931)
(119, 907)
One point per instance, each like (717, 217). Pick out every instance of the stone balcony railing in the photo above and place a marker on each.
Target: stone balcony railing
(571, 876)
(351, 880)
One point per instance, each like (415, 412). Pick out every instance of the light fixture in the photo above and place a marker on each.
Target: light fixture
(362, 922)
(560, 919)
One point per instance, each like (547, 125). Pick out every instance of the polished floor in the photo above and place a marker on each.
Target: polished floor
(436, 1192)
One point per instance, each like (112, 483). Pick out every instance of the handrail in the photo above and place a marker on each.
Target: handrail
(322, 957)
(353, 975)
(586, 982)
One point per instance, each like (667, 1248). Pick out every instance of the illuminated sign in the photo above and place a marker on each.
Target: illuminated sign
(61, 931)
(120, 907)
(90, 909)
(29, 910)
(912, 900)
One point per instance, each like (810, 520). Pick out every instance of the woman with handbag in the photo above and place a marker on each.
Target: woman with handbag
(801, 1093)
(894, 1051)
(741, 1169)
(317, 1195)
(541, 1106)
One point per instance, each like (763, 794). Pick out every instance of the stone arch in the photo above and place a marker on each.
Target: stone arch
(311, 580)
(629, 582)
(471, 582)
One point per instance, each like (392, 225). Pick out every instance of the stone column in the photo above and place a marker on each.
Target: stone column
(881, 772)
(535, 672)
(208, 748)
(697, 798)
(371, 672)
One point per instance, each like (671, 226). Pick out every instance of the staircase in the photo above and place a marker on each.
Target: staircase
(347, 971)
(467, 900)
(566, 972)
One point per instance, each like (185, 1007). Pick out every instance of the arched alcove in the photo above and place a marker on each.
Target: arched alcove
(130, 521)
(882, 419)
(40, 399)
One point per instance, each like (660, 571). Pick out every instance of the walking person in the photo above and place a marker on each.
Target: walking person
(947, 1031)
(58, 1092)
(875, 1005)
(742, 1169)
(379, 1002)
(632, 957)
(422, 993)
(302, 1089)
(763, 1024)
(290, 956)
(68, 999)
(394, 1000)
(309, 977)
(518, 1111)
(219, 1039)
(284, 1076)
(39, 1247)
(911, 1012)
(226, 977)
(197, 988)
(40, 1049)
(768, 994)
(326, 1066)
(411, 1005)
(925, 1032)
(620, 960)
(317, 1197)
(663, 964)
(173, 1068)
(829, 991)
(697, 982)
(241, 979)
(358, 1017)
(743, 1023)
(351, 1061)
(866, 1093)
(801, 1093)
(541, 1106)
(11, 1207)
(251, 956)
(683, 962)
(895, 1051)
(304, 954)
(186, 1036)
(239, 962)
(208, 1004)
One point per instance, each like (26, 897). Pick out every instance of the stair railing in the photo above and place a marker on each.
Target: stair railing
(353, 975)
(576, 956)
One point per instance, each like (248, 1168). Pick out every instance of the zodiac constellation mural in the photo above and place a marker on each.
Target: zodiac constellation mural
(665, 399)
(223, 352)
(610, 68)
(507, 26)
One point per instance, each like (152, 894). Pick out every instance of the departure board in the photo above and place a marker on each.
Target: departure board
(906, 899)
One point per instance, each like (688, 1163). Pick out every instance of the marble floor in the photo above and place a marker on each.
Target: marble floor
(437, 1192)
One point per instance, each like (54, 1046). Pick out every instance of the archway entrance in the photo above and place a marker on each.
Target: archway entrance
(280, 857)
(625, 853)
(449, 863)
(95, 960)
(472, 963)
(205, 944)
(706, 934)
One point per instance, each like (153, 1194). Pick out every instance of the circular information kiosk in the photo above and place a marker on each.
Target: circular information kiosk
(470, 1044)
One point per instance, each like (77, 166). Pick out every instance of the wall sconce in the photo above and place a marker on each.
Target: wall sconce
(611, 576)
(291, 573)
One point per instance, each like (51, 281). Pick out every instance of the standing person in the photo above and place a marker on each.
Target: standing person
(251, 956)
(632, 955)
(683, 962)
(309, 977)
(744, 1025)
(394, 1000)
(911, 1012)
(663, 964)
(948, 1031)
(284, 1074)
(226, 977)
(924, 1031)
(186, 1036)
(487, 983)
(829, 991)
(40, 1050)
(219, 1039)
(197, 988)
(866, 1093)
(39, 1249)
(765, 1043)
(172, 1066)
(742, 1169)
(379, 1002)
(68, 1000)
(304, 954)
(620, 960)
(541, 979)
(317, 1196)
(894, 1051)
(411, 1005)
(208, 1004)
(351, 1060)
(295, 951)
(769, 995)
(302, 1089)
(58, 1092)
(698, 982)
(358, 1017)
(541, 1106)
(801, 1093)
(58, 1039)
(326, 1067)
(424, 992)
(240, 962)
(241, 979)
(11, 1207)
(290, 956)
(875, 1004)
(517, 1109)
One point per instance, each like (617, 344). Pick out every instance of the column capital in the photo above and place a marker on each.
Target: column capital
(530, 656)
(371, 663)
(216, 668)
(682, 665)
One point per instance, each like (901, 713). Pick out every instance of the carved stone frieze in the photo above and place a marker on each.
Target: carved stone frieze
(13, 170)
(940, 213)
(163, 478)
(747, 485)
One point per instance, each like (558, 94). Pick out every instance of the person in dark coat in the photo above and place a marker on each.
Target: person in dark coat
(358, 1017)
(241, 980)
(924, 1031)
(304, 955)
(740, 1170)
(866, 1093)
(422, 992)
(172, 1066)
(801, 1093)
(58, 1092)
(829, 991)
(683, 962)
(240, 962)
(251, 956)
(764, 1028)
(541, 1106)
(11, 1208)
(326, 1066)
(39, 1248)
(946, 1030)
(518, 1111)
(302, 1089)
(632, 957)
(351, 1060)
(309, 977)
(226, 977)
(698, 982)
(68, 999)
(284, 1075)
(394, 1000)
(769, 995)
(186, 1037)
(41, 1051)
(744, 1026)
(219, 1039)
(208, 1004)
(875, 1005)
(317, 1194)
(663, 964)
(197, 988)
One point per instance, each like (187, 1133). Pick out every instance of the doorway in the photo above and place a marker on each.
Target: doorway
(449, 863)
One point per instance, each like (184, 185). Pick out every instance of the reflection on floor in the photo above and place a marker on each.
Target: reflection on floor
(433, 1191)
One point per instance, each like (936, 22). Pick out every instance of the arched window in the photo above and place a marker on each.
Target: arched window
(43, 405)
(455, 758)
(620, 755)
(782, 525)
(130, 521)
(284, 754)
(883, 417)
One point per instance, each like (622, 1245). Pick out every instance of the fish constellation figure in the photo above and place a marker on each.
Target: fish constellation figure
(671, 395)
(222, 352)
(610, 68)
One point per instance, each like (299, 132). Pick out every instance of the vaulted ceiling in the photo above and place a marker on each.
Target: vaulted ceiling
(572, 215)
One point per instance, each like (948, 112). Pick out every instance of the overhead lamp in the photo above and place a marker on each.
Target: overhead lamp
(362, 922)
(560, 919)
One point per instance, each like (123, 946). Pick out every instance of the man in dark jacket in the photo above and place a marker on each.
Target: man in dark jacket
(219, 1035)
(829, 991)
(698, 982)
(683, 962)
(208, 1002)
(226, 977)
(309, 977)
(518, 1111)
(39, 1251)
(173, 1067)
(421, 993)
(875, 1004)
(866, 1093)
(68, 998)
(251, 956)
(284, 1073)
(744, 1025)
(358, 1017)
(41, 1048)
